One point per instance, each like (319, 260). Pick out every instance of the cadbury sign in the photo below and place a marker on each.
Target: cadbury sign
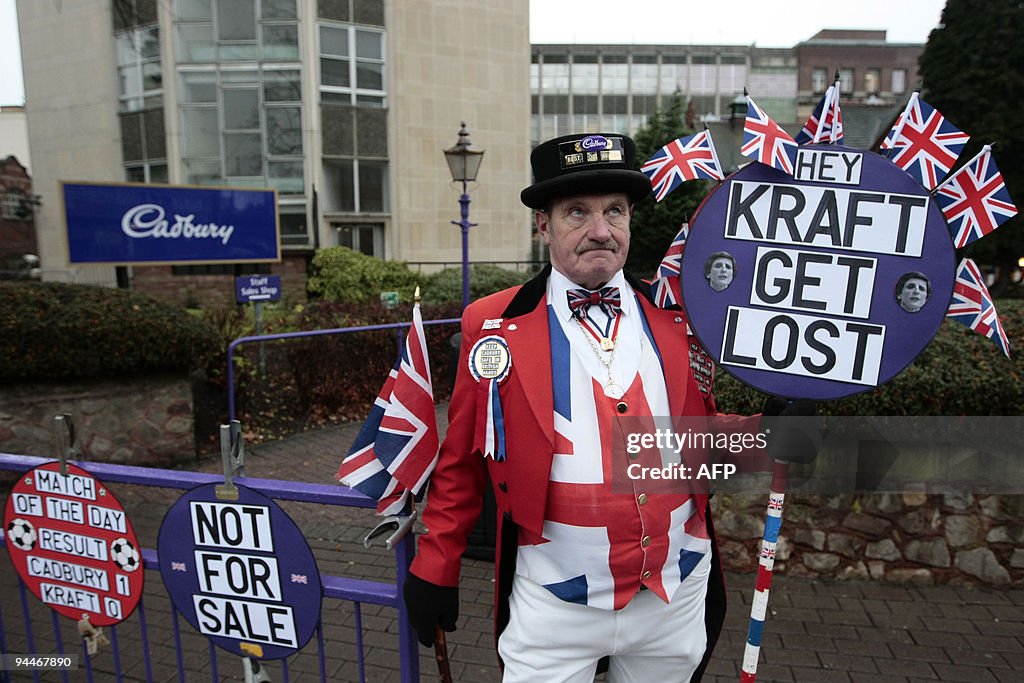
(821, 284)
(147, 224)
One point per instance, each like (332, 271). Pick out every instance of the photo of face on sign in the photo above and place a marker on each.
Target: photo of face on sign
(912, 291)
(719, 270)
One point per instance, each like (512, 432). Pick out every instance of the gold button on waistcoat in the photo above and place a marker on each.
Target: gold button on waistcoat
(645, 541)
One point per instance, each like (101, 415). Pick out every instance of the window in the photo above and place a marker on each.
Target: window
(352, 66)
(846, 81)
(872, 81)
(819, 80)
(14, 207)
(140, 82)
(146, 173)
(367, 238)
(241, 122)
(292, 220)
(899, 81)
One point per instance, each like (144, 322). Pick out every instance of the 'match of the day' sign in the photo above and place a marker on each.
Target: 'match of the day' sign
(240, 572)
(73, 545)
(821, 284)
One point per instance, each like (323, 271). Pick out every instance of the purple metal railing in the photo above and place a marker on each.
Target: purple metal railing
(357, 591)
(308, 333)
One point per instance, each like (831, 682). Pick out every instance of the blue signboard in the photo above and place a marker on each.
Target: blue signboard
(257, 288)
(240, 572)
(822, 284)
(150, 224)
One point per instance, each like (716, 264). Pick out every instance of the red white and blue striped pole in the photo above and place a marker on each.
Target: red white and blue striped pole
(765, 565)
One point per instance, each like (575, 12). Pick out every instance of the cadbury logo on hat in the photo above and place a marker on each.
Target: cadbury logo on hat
(584, 164)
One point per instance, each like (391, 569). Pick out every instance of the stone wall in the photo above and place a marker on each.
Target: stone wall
(902, 538)
(136, 421)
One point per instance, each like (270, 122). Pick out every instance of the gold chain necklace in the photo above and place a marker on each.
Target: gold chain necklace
(610, 388)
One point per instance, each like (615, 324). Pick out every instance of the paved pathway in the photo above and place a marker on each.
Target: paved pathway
(817, 631)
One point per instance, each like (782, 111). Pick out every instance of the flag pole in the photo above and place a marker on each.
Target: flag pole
(766, 563)
(714, 152)
(984, 149)
(902, 121)
(444, 668)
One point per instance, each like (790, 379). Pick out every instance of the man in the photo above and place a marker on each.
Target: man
(584, 570)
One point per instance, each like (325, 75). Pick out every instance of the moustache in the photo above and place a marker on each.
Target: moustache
(609, 244)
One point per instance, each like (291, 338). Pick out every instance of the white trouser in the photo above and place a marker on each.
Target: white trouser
(552, 641)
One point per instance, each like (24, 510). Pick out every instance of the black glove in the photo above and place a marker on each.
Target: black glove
(795, 441)
(430, 605)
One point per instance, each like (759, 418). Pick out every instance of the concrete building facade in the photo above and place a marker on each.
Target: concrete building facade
(343, 106)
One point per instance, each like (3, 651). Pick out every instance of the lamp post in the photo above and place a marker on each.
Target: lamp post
(464, 162)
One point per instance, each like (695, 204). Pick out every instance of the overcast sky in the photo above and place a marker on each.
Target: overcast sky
(766, 23)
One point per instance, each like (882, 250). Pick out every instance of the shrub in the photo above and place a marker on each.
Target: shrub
(54, 331)
(445, 286)
(340, 374)
(341, 274)
(959, 373)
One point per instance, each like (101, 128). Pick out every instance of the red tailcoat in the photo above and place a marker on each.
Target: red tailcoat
(520, 482)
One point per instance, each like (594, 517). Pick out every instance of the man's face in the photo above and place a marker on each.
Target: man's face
(587, 236)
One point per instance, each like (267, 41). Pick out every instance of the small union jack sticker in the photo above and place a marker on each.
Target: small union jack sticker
(178, 567)
(299, 578)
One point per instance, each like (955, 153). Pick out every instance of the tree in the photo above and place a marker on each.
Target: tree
(654, 224)
(971, 72)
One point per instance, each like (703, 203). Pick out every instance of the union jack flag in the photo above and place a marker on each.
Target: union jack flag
(666, 282)
(972, 305)
(974, 199)
(672, 263)
(924, 144)
(178, 567)
(396, 449)
(764, 141)
(826, 122)
(688, 158)
(774, 503)
(300, 578)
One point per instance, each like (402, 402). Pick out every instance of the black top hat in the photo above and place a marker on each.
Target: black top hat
(584, 164)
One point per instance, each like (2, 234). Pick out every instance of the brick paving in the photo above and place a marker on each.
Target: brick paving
(817, 631)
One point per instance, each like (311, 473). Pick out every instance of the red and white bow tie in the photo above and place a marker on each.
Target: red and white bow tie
(608, 298)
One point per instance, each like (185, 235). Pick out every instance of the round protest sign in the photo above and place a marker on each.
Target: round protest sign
(240, 572)
(73, 546)
(821, 284)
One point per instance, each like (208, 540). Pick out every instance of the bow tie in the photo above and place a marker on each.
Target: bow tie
(607, 298)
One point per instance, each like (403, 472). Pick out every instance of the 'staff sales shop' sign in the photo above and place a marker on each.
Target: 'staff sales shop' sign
(240, 572)
(822, 284)
(147, 224)
(73, 546)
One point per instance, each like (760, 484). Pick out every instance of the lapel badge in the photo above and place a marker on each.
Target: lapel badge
(492, 324)
(490, 359)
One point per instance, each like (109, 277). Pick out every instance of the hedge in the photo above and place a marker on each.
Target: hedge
(55, 331)
(959, 373)
(341, 374)
(341, 274)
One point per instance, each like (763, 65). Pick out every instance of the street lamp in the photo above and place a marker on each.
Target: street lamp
(464, 162)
